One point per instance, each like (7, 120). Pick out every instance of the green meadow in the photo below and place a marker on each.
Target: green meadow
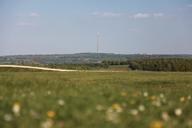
(95, 99)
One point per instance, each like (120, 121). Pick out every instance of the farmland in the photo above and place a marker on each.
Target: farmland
(134, 99)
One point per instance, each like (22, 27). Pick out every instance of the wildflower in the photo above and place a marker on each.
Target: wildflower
(99, 108)
(145, 94)
(112, 116)
(178, 112)
(8, 117)
(123, 94)
(134, 112)
(48, 92)
(165, 116)
(156, 124)
(16, 108)
(153, 97)
(117, 107)
(50, 114)
(47, 124)
(164, 100)
(32, 94)
(141, 108)
(157, 103)
(136, 94)
(162, 96)
(182, 99)
(61, 102)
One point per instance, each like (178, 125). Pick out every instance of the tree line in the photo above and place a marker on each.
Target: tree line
(158, 64)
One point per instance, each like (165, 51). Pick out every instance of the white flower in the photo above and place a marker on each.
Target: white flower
(8, 117)
(61, 102)
(47, 124)
(165, 116)
(178, 112)
(48, 92)
(99, 108)
(112, 116)
(141, 108)
(134, 112)
(162, 95)
(145, 94)
(156, 103)
(32, 94)
(16, 108)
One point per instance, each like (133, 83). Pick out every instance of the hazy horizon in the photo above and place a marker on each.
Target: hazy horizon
(69, 26)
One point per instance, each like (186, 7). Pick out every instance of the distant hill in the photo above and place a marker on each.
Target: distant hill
(78, 58)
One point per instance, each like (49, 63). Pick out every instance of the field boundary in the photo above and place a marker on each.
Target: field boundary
(38, 68)
(53, 69)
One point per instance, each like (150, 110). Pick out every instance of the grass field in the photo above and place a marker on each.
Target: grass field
(95, 100)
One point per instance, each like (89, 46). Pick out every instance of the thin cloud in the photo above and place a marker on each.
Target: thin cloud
(158, 14)
(25, 24)
(141, 15)
(146, 15)
(25, 15)
(107, 14)
(34, 14)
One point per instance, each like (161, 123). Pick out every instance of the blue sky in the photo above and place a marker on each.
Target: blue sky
(71, 26)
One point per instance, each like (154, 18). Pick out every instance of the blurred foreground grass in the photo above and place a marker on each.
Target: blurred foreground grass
(96, 100)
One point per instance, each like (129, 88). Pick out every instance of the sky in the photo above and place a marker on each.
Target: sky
(71, 26)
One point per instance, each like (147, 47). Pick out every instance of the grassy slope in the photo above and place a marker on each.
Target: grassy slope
(89, 98)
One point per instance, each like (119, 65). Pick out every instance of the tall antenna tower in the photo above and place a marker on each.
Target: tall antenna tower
(98, 42)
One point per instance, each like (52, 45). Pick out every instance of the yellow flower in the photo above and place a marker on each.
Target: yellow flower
(182, 99)
(153, 97)
(156, 124)
(50, 114)
(136, 94)
(123, 94)
(117, 107)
